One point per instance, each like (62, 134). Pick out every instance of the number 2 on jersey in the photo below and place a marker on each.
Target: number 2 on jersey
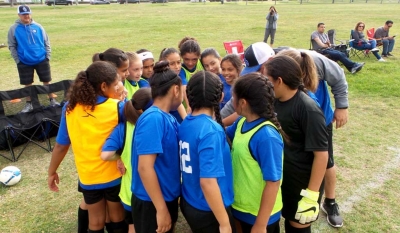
(185, 157)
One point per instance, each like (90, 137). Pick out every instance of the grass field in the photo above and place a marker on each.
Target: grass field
(367, 149)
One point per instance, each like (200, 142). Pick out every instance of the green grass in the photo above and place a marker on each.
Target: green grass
(361, 147)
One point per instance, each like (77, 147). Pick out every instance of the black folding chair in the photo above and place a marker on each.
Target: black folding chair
(51, 115)
(18, 128)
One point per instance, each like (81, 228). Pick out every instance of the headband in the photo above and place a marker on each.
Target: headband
(146, 55)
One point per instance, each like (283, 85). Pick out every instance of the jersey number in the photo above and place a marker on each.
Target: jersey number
(185, 157)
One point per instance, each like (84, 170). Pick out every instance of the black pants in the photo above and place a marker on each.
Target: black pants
(144, 215)
(203, 221)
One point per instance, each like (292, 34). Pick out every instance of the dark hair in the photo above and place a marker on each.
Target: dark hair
(319, 24)
(389, 22)
(95, 57)
(189, 45)
(113, 55)
(140, 101)
(163, 79)
(142, 51)
(87, 84)
(307, 65)
(207, 52)
(287, 69)
(166, 52)
(204, 90)
(234, 59)
(358, 24)
(259, 94)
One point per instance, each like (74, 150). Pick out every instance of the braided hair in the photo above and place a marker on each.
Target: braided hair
(259, 94)
(204, 90)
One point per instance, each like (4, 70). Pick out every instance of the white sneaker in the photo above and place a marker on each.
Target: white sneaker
(382, 60)
(374, 49)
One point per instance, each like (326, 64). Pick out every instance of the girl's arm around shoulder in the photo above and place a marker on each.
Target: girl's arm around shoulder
(230, 130)
(113, 143)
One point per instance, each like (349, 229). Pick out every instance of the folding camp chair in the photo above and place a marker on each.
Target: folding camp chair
(235, 47)
(354, 51)
(371, 34)
(20, 128)
(51, 115)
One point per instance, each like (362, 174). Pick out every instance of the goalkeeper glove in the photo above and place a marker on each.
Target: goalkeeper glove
(308, 207)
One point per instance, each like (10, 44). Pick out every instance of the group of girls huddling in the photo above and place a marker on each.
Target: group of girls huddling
(142, 152)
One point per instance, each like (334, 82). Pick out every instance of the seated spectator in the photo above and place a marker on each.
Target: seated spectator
(382, 36)
(361, 43)
(321, 44)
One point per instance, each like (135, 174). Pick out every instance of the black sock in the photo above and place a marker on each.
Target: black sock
(83, 220)
(119, 227)
(291, 229)
(96, 231)
(329, 201)
(109, 227)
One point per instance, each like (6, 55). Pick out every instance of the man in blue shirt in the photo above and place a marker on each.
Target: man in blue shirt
(30, 48)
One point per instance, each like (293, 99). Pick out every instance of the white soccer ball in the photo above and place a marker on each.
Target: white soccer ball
(10, 175)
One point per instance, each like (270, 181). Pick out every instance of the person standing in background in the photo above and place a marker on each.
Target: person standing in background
(30, 48)
(270, 28)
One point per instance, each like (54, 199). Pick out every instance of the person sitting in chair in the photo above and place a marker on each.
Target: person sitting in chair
(361, 43)
(320, 43)
(382, 35)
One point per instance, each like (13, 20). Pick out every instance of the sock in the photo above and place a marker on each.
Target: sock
(109, 227)
(83, 220)
(329, 201)
(291, 229)
(119, 227)
(30, 101)
(96, 231)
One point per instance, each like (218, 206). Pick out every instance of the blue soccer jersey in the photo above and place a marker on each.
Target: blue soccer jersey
(156, 132)
(227, 91)
(204, 153)
(324, 101)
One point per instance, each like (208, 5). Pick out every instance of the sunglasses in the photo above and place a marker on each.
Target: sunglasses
(360, 26)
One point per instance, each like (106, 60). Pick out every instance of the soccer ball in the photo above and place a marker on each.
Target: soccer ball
(10, 175)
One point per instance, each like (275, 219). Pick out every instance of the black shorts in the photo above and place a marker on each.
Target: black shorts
(128, 217)
(144, 215)
(292, 184)
(271, 228)
(26, 72)
(203, 221)
(96, 195)
(331, 162)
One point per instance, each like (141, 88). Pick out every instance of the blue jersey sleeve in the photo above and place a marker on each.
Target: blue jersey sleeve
(210, 154)
(121, 115)
(182, 75)
(267, 147)
(143, 83)
(230, 130)
(115, 141)
(149, 134)
(62, 135)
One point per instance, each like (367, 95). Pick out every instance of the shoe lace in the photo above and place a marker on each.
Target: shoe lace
(334, 209)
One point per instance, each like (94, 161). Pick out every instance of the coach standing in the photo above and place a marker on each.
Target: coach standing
(30, 48)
